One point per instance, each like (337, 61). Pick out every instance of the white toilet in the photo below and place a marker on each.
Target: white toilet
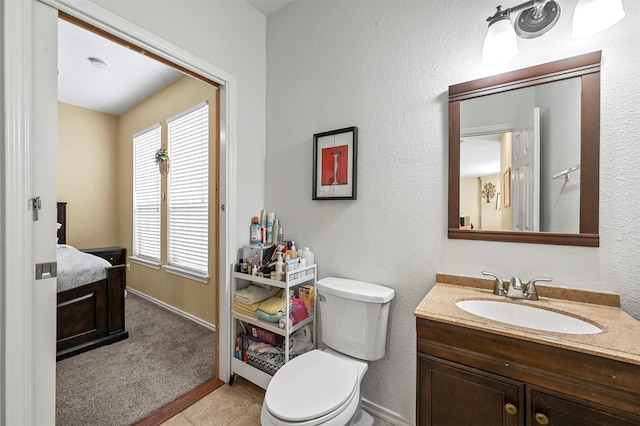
(323, 386)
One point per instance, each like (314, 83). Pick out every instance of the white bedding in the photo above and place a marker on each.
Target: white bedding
(77, 268)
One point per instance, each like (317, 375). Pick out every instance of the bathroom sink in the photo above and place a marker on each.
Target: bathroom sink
(527, 316)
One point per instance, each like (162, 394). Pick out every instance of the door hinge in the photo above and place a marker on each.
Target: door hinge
(36, 204)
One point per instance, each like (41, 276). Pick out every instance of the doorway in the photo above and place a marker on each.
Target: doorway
(29, 402)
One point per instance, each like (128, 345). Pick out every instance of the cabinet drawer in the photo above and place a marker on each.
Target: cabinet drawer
(113, 255)
(555, 408)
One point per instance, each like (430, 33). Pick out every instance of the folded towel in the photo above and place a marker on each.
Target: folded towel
(297, 347)
(255, 294)
(275, 305)
(263, 316)
(244, 309)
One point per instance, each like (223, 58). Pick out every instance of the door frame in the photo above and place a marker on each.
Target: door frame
(17, 357)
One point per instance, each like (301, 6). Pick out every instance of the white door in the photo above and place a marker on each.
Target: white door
(29, 167)
(44, 178)
(525, 176)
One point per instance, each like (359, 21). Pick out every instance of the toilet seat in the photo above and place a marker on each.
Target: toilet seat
(340, 417)
(313, 388)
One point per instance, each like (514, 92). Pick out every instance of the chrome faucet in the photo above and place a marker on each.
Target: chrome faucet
(498, 287)
(516, 289)
(530, 292)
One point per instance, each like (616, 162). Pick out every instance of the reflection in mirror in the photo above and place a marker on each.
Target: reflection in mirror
(516, 142)
(524, 155)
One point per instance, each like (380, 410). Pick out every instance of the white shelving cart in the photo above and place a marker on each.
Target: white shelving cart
(293, 279)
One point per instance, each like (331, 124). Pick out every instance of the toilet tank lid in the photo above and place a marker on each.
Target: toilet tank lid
(355, 290)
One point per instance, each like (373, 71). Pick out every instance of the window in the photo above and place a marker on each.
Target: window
(188, 193)
(146, 197)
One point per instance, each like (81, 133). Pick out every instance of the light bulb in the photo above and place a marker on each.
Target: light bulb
(593, 16)
(501, 42)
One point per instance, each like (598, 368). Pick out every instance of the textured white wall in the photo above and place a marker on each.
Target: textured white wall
(385, 66)
(231, 36)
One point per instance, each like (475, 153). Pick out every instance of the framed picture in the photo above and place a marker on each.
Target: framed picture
(507, 187)
(335, 155)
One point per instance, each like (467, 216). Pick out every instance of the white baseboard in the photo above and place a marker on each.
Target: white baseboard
(385, 414)
(173, 309)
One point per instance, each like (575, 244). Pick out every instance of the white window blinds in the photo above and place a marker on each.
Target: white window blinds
(188, 206)
(146, 195)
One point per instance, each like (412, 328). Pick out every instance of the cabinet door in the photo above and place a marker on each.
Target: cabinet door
(551, 408)
(452, 394)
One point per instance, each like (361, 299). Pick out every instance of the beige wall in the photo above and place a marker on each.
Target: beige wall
(490, 216)
(87, 175)
(193, 297)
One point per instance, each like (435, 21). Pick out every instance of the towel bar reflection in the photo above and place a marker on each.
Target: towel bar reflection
(565, 173)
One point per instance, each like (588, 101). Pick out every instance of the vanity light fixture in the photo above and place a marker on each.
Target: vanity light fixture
(536, 17)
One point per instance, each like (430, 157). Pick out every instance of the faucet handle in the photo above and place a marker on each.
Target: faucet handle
(530, 292)
(498, 287)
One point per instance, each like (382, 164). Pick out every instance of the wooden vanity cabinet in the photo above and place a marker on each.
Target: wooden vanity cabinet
(452, 394)
(472, 377)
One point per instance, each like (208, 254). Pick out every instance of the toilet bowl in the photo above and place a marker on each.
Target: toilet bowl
(323, 386)
(318, 387)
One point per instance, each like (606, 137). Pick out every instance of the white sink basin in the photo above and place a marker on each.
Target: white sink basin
(527, 316)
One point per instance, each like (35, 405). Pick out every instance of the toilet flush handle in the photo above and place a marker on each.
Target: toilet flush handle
(321, 298)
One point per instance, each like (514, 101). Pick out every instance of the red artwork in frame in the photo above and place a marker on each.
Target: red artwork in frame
(334, 165)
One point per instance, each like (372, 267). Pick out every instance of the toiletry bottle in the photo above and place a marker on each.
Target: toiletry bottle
(310, 258)
(279, 268)
(280, 235)
(270, 217)
(263, 224)
(275, 231)
(302, 262)
(292, 250)
(254, 231)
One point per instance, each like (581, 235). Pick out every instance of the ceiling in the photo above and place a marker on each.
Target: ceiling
(267, 7)
(480, 155)
(128, 78)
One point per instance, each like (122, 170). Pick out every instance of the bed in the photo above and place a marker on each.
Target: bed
(90, 305)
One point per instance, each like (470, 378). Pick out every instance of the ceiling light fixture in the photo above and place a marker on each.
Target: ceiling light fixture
(536, 17)
(98, 63)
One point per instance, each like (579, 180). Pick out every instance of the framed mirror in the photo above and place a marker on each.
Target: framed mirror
(524, 155)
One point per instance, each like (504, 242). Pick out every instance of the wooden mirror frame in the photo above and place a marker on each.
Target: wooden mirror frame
(587, 67)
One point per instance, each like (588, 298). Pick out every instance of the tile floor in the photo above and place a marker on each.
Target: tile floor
(237, 405)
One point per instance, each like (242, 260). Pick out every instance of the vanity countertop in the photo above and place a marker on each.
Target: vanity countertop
(619, 340)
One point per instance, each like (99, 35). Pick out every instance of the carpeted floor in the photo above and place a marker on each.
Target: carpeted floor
(165, 356)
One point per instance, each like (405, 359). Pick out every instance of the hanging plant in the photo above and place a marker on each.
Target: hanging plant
(162, 158)
(488, 191)
(162, 155)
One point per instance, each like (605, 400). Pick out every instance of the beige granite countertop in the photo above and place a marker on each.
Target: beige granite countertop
(619, 340)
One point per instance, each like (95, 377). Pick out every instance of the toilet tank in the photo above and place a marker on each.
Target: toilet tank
(353, 316)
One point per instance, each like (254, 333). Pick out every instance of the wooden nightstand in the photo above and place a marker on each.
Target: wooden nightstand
(114, 255)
